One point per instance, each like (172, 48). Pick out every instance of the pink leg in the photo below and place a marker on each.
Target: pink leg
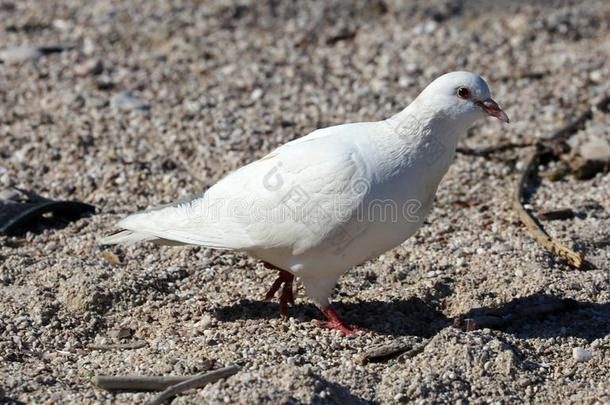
(286, 297)
(334, 322)
(285, 280)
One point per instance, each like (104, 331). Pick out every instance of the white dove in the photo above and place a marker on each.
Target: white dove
(321, 204)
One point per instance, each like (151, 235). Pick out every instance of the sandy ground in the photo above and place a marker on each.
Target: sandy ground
(216, 85)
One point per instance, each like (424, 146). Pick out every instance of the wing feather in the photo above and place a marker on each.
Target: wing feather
(293, 198)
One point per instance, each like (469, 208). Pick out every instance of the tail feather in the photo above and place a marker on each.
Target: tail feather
(179, 224)
(126, 238)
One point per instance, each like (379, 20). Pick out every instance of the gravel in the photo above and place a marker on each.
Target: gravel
(154, 101)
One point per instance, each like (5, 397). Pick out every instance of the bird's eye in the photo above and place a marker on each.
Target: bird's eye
(463, 92)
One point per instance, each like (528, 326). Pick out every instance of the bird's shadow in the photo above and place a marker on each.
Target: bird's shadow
(537, 315)
(400, 317)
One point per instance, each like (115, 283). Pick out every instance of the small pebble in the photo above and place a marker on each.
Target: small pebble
(256, 94)
(581, 355)
(596, 149)
(122, 333)
(19, 54)
(127, 102)
(89, 67)
(205, 322)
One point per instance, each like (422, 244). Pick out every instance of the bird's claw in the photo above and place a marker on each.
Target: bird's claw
(346, 329)
(335, 322)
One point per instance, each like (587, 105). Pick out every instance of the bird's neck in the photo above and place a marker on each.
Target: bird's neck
(420, 126)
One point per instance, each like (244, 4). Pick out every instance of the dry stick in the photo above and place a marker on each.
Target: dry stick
(553, 215)
(137, 382)
(384, 352)
(148, 383)
(489, 150)
(195, 382)
(415, 350)
(391, 350)
(531, 169)
(118, 346)
(532, 226)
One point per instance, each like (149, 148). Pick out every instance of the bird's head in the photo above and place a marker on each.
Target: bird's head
(462, 96)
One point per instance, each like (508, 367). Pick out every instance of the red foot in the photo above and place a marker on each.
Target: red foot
(287, 297)
(334, 322)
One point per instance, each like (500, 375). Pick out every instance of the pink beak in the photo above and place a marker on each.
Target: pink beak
(492, 109)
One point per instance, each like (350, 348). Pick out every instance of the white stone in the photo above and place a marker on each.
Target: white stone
(20, 54)
(256, 94)
(596, 149)
(581, 355)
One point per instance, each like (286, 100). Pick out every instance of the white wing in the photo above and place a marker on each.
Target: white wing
(294, 198)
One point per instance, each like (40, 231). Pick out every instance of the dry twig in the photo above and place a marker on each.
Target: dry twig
(167, 383)
(551, 144)
(554, 215)
(195, 382)
(415, 350)
(392, 350)
(119, 346)
(137, 382)
(384, 352)
(531, 224)
(489, 150)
